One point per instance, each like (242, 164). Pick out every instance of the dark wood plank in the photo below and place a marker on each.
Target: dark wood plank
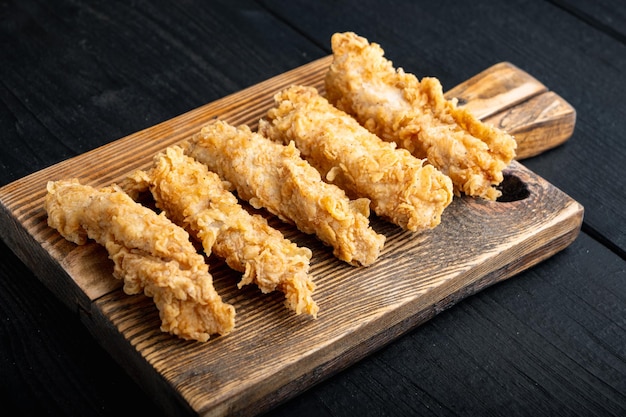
(51, 364)
(453, 41)
(553, 351)
(606, 15)
(76, 76)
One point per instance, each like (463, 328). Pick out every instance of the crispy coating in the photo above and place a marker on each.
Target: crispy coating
(274, 176)
(149, 252)
(197, 199)
(399, 108)
(399, 186)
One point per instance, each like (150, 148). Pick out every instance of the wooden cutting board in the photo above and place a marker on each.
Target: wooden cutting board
(273, 354)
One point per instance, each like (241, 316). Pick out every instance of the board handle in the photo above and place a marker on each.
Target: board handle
(511, 99)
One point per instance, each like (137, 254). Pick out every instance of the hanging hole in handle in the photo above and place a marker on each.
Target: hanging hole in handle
(512, 188)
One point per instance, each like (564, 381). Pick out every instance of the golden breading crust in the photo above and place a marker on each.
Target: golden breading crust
(197, 199)
(399, 108)
(274, 176)
(150, 253)
(399, 186)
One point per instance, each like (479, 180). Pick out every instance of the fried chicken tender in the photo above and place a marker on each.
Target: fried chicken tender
(399, 108)
(149, 252)
(197, 199)
(399, 186)
(270, 175)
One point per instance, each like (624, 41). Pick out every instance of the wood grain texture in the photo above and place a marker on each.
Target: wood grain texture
(496, 89)
(61, 336)
(606, 15)
(132, 66)
(542, 123)
(511, 99)
(278, 355)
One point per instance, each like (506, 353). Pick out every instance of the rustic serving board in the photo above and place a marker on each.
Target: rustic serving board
(274, 354)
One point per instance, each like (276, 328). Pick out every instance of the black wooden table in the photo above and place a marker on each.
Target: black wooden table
(75, 75)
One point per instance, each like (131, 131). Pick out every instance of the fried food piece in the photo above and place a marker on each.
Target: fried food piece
(274, 176)
(197, 199)
(149, 252)
(399, 108)
(399, 186)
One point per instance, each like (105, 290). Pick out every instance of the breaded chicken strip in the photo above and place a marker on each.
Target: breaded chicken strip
(197, 199)
(274, 176)
(400, 188)
(150, 253)
(399, 108)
